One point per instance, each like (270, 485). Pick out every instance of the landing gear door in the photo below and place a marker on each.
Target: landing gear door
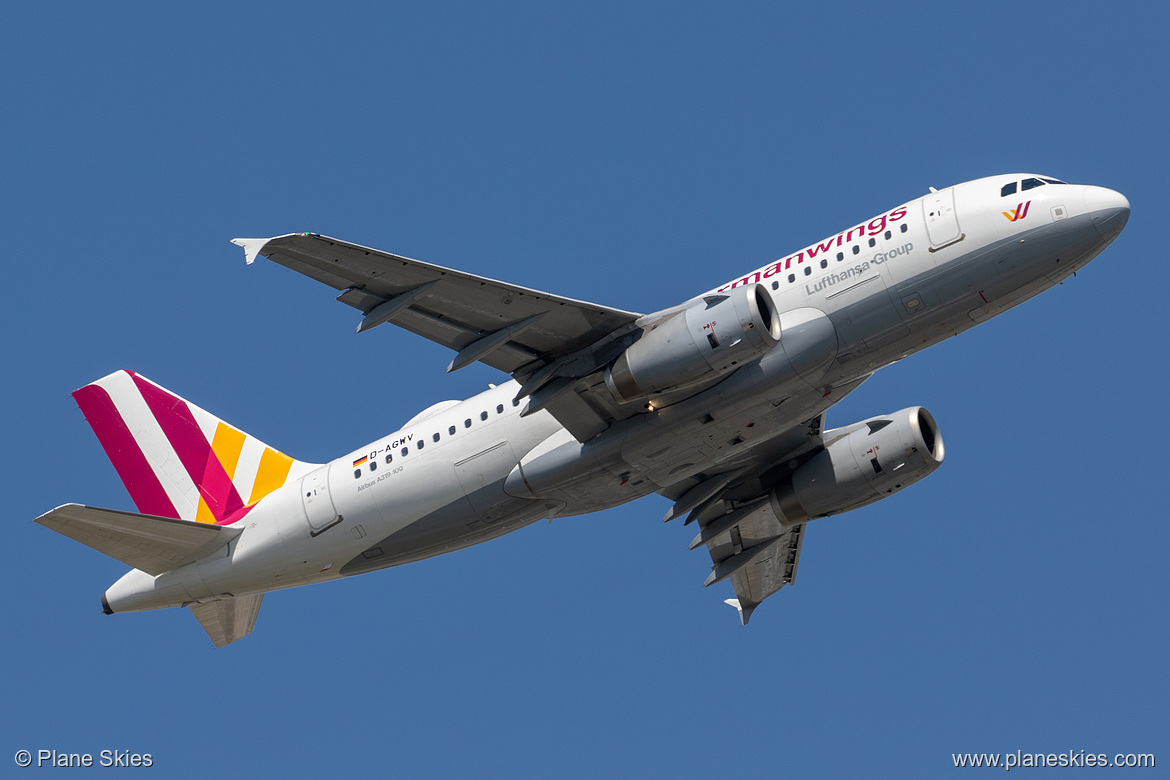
(942, 222)
(318, 503)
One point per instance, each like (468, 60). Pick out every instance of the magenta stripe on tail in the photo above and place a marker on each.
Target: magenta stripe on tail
(193, 449)
(129, 461)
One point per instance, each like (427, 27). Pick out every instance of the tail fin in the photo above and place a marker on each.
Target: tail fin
(227, 619)
(175, 459)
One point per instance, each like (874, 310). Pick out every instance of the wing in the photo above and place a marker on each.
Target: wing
(550, 344)
(758, 554)
(749, 543)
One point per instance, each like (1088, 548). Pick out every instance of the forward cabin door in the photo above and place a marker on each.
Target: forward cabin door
(942, 221)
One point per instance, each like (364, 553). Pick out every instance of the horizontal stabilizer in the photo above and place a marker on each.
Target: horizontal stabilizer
(147, 542)
(227, 619)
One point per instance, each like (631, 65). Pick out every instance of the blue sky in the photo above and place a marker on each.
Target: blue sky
(633, 155)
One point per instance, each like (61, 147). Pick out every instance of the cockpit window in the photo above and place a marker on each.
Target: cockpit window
(1029, 184)
(1008, 189)
(1053, 181)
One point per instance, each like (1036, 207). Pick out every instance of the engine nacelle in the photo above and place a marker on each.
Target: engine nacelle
(713, 336)
(865, 463)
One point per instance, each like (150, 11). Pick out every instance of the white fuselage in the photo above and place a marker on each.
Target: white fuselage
(907, 279)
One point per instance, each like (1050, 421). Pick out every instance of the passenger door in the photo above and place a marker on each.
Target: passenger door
(942, 221)
(318, 503)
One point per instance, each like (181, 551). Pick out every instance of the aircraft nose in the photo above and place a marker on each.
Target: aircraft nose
(1109, 210)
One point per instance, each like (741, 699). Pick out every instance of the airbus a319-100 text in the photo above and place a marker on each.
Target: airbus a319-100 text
(717, 404)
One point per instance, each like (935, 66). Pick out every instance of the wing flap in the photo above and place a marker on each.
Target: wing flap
(227, 619)
(770, 571)
(147, 542)
(747, 542)
(771, 552)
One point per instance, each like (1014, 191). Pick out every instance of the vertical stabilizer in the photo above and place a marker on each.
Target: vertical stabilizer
(226, 620)
(177, 460)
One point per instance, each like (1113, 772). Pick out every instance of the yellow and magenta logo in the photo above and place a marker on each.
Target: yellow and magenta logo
(1018, 213)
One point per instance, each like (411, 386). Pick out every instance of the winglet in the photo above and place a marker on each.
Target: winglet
(252, 247)
(745, 613)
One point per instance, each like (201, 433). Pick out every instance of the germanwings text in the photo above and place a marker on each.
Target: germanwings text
(871, 228)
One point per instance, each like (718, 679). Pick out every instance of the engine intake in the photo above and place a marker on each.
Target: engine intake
(713, 336)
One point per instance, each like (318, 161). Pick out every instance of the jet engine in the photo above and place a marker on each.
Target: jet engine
(861, 464)
(713, 336)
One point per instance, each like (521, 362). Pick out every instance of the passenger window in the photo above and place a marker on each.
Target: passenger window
(389, 458)
(421, 443)
(840, 256)
(436, 438)
(807, 270)
(405, 451)
(791, 278)
(1030, 184)
(872, 241)
(483, 415)
(856, 249)
(887, 235)
(515, 402)
(1008, 189)
(467, 423)
(500, 409)
(373, 465)
(775, 285)
(824, 264)
(905, 228)
(357, 473)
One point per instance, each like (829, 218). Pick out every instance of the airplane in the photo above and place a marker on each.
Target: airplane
(718, 404)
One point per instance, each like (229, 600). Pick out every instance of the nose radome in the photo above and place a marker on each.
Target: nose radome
(1109, 210)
